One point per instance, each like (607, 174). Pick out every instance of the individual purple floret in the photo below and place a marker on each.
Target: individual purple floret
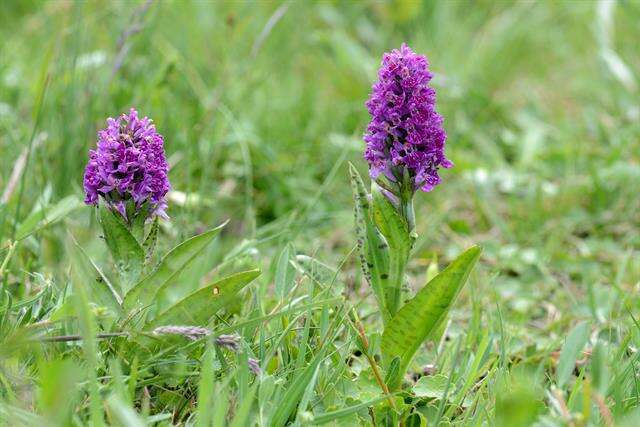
(405, 133)
(128, 167)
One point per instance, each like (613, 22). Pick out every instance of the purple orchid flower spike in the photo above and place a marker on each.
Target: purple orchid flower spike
(128, 167)
(405, 138)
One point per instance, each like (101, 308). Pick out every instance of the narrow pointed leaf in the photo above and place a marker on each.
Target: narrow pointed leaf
(372, 247)
(421, 315)
(571, 349)
(200, 306)
(291, 397)
(171, 266)
(396, 232)
(332, 416)
(285, 272)
(125, 249)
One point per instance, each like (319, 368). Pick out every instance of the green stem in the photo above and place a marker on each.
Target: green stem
(408, 213)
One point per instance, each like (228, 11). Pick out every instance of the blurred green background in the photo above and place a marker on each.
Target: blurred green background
(262, 104)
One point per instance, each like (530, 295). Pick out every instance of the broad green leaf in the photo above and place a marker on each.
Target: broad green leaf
(571, 349)
(53, 376)
(432, 386)
(372, 247)
(125, 249)
(285, 272)
(200, 306)
(47, 215)
(396, 232)
(170, 267)
(418, 318)
(137, 217)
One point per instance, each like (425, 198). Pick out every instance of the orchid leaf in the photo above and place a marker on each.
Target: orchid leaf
(200, 306)
(372, 247)
(125, 249)
(169, 268)
(395, 230)
(421, 315)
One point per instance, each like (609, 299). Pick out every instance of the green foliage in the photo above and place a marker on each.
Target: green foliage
(198, 307)
(46, 215)
(421, 315)
(570, 353)
(374, 254)
(395, 230)
(169, 268)
(261, 107)
(128, 255)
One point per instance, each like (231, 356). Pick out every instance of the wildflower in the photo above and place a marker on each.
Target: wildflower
(191, 332)
(405, 138)
(230, 342)
(254, 366)
(128, 169)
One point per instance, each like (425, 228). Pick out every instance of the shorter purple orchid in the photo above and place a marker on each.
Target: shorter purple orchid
(128, 169)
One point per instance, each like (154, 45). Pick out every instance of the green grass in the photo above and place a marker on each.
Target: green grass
(541, 105)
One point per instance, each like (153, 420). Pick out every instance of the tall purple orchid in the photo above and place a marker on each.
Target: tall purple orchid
(405, 138)
(405, 144)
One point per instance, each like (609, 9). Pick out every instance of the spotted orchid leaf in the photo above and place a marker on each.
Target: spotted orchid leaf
(200, 306)
(421, 315)
(127, 253)
(395, 231)
(372, 247)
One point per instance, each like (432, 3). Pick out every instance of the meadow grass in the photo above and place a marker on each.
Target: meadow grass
(262, 106)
